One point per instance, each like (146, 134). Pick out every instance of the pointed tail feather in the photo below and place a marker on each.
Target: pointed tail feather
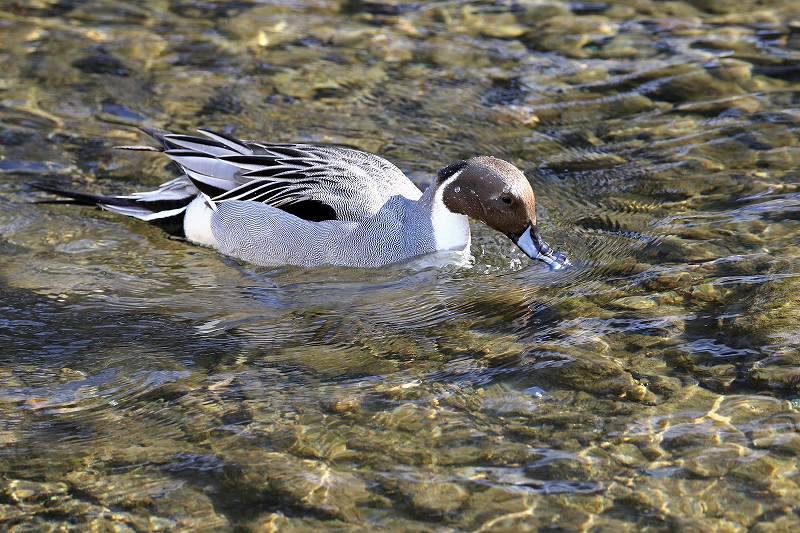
(166, 213)
(157, 134)
(82, 198)
(138, 148)
(211, 144)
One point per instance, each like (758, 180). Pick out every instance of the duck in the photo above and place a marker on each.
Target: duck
(308, 205)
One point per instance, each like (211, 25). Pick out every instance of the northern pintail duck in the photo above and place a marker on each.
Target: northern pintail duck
(309, 205)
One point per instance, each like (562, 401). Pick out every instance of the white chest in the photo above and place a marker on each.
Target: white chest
(451, 230)
(197, 223)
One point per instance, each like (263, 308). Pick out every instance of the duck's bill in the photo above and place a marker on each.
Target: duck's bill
(534, 247)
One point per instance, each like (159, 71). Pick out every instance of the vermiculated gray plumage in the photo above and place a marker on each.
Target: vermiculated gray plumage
(265, 235)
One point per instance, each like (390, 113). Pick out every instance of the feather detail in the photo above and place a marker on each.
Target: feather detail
(198, 144)
(205, 164)
(138, 148)
(233, 144)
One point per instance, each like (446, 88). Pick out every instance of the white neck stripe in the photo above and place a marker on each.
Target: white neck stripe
(450, 230)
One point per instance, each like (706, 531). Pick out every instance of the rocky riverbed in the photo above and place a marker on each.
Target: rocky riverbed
(146, 384)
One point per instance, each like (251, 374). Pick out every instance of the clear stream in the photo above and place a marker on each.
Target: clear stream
(146, 384)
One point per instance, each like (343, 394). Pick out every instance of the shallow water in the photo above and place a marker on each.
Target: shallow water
(147, 384)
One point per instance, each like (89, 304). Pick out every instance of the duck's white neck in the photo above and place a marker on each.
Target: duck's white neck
(450, 230)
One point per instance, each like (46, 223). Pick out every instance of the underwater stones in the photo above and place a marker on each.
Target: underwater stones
(636, 303)
(189, 508)
(708, 293)
(224, 101)
(101, 63)
(718, 6)
(513, 115)
(724, 106)
(760, 469)
(560, 468)
(489, 349)
(455, 455)
(496, 25)
(733, 70)
(463, 398)
(770, 312)
(672, 298)
(588, 372)
(590, 108)
(453, 54)
(713, 461)
(675, 249)
(302, 484)
(624, 46)
(538, 12)
(24, 491)
(586, 339)
(729, 153)
(408, 417)
(319, 490)
(729, 39)
(319, 443)
(684, 83)
(690, 435)
(776, 373)
(263, 26)
(569, 34)
(788, 521)
(351, 360)
(594, 343)
(342, 404)
(138, 46)
(565, 308)
(626, 454)
(733, 510)
(505, 401)
(347, 37)
(781, 158)
(666, 498)
(664, 385)
(781, 443)
(392, 48)
(497, 509)
(321, 77)
(470, 401)
(681, 359)
(134, 489)
(719, 377)
(152, 501)
(555, 509)
(276, 521)
(434, 499)
(506, 451)
(271, 523)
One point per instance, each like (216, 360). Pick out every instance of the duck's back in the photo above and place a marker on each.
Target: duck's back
(313, 182)
(361, 182)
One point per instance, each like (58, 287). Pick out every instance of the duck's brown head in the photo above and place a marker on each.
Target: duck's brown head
(497, 193)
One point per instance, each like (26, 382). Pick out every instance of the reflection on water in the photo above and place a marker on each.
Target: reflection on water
(148, 384)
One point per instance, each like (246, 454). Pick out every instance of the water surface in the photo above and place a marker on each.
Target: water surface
(151, 385)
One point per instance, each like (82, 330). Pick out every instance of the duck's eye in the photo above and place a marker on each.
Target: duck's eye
(506, 200)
